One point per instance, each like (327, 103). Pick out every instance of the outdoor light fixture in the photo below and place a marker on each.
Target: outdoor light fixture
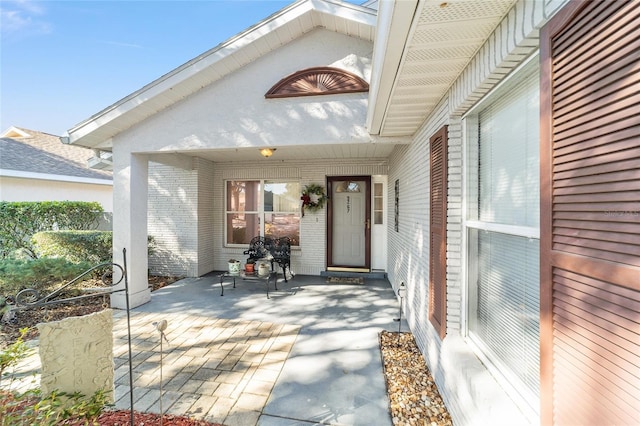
(402, 291)
(161, 326)
(267, 152)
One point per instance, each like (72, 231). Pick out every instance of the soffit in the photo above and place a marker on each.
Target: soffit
(277, 30)
(296, 153)
(443, 38)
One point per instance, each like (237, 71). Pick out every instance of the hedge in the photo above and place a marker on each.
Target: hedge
(79, 246)
(44, 275)
(75, 246)
(21, 220)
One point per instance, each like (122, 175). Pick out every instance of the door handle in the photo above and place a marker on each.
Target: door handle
(368, 223)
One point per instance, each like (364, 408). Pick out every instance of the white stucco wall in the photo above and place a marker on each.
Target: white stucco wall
(233, 112)
(471, 392)
(23, 189)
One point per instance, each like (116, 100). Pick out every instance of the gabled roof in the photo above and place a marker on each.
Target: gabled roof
(24, 153)
(277, 30)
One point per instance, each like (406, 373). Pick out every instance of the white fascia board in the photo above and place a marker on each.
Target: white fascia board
(395, 18)
(50, 177)
(350, 11)
(393, 140)
(13, 132)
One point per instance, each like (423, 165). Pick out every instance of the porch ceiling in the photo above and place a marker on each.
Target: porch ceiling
(296, 153)
(417, 69)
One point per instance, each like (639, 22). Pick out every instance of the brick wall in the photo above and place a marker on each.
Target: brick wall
(173, 205)
(309, 258)
(409, 248)
(206, 217)
(186, 212)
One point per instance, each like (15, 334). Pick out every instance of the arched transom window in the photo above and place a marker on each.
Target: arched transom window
(318, 81)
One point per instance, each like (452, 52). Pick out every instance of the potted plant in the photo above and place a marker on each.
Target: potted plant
(234, 267)
(249, 267)
(263, 269)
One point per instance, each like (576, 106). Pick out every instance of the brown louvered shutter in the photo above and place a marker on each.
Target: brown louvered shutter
(438, 232)
(590, 215)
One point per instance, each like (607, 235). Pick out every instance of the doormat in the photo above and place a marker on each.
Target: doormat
(345, 280)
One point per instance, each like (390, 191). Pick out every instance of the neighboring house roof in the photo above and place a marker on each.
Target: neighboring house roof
(32, 154)
(272, 33)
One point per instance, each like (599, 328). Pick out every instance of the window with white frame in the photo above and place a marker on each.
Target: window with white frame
(502, 226)
(269, 208)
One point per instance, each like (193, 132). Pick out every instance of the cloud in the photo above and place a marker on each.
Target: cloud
(23, 18)
(122, 44)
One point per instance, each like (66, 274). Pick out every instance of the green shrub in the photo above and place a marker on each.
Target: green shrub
(43, 275)
(20, 220)
(80, 246)
(75, 246)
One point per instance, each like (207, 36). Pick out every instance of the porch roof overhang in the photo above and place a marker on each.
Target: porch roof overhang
(275, 31)
(421, 48)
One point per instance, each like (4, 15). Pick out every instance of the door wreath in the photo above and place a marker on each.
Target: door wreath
(313, 198)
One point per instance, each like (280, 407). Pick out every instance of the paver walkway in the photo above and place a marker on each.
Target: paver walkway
(220, 370)
(308, 356)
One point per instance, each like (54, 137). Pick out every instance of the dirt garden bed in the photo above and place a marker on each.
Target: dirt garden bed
(29, 318)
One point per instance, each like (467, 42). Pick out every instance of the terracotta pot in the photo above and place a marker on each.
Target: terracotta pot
(249, 267)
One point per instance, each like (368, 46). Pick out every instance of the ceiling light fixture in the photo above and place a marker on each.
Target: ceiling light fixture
(267, 152)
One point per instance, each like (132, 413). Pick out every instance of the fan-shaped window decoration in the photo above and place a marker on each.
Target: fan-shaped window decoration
(318, 81)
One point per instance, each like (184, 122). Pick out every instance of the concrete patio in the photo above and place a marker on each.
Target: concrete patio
(308, 355)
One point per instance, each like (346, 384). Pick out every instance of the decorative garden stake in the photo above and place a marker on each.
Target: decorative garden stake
(161, 326)
(126, 296)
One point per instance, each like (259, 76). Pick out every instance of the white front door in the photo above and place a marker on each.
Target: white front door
(350, 223)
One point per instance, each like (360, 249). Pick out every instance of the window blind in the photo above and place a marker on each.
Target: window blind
(507, 315)
(504, 268)
(509, 156)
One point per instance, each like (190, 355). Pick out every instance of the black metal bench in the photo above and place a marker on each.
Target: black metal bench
(274, 250)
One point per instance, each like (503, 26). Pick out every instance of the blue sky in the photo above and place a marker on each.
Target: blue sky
(63, 61)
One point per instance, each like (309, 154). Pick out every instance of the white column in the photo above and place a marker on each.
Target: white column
(130, 187)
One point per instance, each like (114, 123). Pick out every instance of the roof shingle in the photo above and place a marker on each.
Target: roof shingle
(44, 153)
